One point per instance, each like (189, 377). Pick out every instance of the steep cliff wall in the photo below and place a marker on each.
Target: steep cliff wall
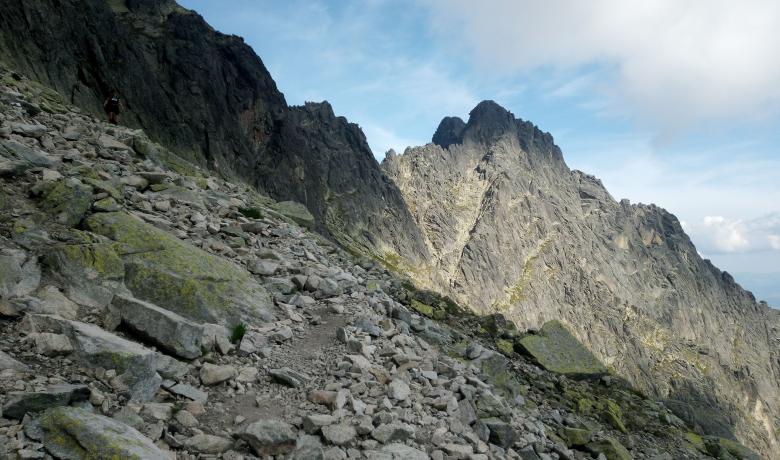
(210, 98)
(511, 229)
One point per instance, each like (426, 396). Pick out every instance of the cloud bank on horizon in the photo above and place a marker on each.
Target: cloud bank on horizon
(668, 102)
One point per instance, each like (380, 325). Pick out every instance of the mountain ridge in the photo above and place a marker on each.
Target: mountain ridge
(489, 213)
(512, 230)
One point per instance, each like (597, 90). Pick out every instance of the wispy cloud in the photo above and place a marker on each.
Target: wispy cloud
(672, 63)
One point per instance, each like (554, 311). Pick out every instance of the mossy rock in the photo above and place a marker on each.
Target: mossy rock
(614, 416)
(73, 433)
(575, 437)
(295, 211)
(421, 308)
(557, 350)
(496, 325)
(67, 200)
(505, 346)
(105, 186)
(175, 275)
(696, 442)
(725, 449)
(611, 449)
(497, 370)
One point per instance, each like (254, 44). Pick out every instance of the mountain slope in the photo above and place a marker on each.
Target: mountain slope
(512, 230)
(209, 98)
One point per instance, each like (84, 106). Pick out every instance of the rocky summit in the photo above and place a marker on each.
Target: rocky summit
(224, 276)
(512, 230)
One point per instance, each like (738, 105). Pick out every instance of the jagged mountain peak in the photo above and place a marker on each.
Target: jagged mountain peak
(450, 131)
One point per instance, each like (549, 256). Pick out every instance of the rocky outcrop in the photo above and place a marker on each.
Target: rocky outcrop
(210, 99)
(512, 230)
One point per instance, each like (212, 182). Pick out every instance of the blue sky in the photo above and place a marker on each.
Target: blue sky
(671, 103)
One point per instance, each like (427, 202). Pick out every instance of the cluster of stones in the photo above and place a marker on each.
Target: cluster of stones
(152, 311)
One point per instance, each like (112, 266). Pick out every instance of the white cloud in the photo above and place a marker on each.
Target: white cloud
(669, 61)
(718, 235)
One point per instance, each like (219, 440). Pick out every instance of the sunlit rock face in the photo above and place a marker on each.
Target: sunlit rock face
(511, 229)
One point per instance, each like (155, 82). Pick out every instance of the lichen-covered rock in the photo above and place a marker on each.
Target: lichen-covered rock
(76, 434)
(135, 365)
(295, 211)
(179, 277)
(21, 402)
(611, 448)
(89, 268)
(170, 331)
(68, 200)
(555, 349)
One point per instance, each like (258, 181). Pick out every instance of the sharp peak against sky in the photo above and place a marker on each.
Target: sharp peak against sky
(667, 102)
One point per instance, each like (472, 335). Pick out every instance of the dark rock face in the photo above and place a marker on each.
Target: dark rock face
(209, 97)
(511, 229)
(450, 131)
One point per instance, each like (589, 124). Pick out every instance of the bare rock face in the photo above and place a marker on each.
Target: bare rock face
(512, 230)
(209, 98)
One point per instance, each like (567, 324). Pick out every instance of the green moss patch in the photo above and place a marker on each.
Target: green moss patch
(557, 350)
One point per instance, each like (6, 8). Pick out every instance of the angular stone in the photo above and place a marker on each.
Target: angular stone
(263, 267)
(314, 422)
(252, 342)
(211, 374)
(170, 331)
(189, 391)
(88, 267)
(170, 368)
(21, 403)
(392, 432)
(135, 365)
(184, 279)
(208, 444)
(7, 362)
(308, 448)
(19, 273)
(268, 437)
(339, 434)
(29, 158)
(54, 302)
(398, 451)
(51, 344)
(555, 349)
(398, 390)
(67, 200)
(501, 433)
(106, 205)
(74, 434)
(610, 448)
(289, 377)
(157, 411)
(575, 437)
(295, 211)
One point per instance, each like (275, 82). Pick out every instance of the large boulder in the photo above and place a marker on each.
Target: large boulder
(67, 200)
(22, 402)
(75, 434)
(170, 331)
(161, 269)
(19, 273)
(557, 350)
(135, 365)
(89, 268)
(269, 437)
(295, 211)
